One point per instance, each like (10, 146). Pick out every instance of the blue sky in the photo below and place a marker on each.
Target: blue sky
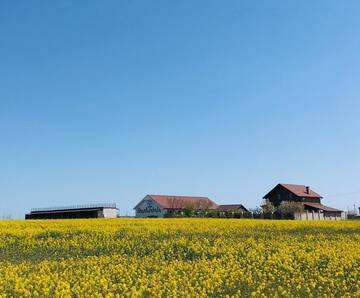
(107, 101)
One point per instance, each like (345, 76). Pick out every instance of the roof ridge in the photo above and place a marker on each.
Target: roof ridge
(177, 196)
(172, 201)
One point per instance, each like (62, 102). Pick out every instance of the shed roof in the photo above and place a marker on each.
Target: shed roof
(321, 207)
(231, 207)
(76, 207)
(181, 202)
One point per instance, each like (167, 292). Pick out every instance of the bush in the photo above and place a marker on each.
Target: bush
(291, 207)
(268, 207)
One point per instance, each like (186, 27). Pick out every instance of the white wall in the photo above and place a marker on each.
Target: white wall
(312, 215)
(148, 208)
(108, 213)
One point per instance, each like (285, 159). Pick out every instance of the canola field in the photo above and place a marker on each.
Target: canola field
(179, 258)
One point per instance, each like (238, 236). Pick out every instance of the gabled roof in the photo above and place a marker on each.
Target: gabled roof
(298, 190)
(231, 207)
(321, 207)
(181, 202)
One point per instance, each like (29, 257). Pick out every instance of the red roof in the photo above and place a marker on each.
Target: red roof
(321, 207)
(181, 202)
(231, 207)
(300, 191)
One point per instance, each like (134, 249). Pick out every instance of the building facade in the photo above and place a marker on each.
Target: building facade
(231, 209)
(167, 205)
(78, 211)
(309, 199)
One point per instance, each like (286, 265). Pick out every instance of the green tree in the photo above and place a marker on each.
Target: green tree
(291, 207)
(268, 207)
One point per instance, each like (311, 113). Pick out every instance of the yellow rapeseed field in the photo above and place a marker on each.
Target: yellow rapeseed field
(179, 257)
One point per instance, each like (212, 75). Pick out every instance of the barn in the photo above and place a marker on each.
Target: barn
(77, 211)
(169, 205)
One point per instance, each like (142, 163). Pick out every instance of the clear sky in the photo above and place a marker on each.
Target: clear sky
(107, 101)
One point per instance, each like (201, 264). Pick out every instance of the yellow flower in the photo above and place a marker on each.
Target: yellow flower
(179, 258)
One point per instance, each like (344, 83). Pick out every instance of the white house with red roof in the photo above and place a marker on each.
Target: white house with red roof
(162, 205)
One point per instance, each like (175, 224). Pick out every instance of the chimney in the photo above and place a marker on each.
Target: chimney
(308, 190)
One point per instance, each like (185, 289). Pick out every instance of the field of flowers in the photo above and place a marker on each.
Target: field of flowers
(179, 257)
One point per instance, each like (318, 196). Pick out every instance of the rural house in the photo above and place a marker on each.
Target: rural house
(310, 200)
(164, 205)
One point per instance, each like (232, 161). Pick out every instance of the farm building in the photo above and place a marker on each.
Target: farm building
(231, 209)
(167, 206)
(78, 211)
(309, 199)
(163, 205)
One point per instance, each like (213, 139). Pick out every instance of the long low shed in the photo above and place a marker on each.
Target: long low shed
(78, 211)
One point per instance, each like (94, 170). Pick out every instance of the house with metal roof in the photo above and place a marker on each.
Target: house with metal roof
(310, 199)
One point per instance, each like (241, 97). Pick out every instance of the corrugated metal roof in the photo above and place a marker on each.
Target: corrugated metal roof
(73, 207)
